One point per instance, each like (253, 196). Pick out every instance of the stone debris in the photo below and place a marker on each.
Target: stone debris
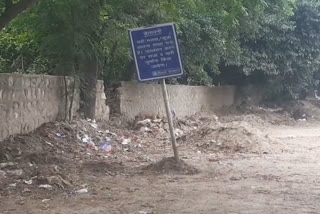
(5, 165)
(46, 186)
(45, 200)
(29, 182)
(81, 191)
(16, 172)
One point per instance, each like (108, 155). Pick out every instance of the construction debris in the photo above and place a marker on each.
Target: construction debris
(232, 137)
(53, 156)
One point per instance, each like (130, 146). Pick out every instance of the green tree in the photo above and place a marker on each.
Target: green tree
(222, 41)
(286, 49)
(10, 9)
(68, 34)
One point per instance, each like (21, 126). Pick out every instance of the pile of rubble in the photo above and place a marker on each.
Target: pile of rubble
(53, 157)
(233, 137)
(207, 134)
(50, 157)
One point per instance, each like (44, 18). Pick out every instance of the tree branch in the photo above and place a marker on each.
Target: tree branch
(13, 10)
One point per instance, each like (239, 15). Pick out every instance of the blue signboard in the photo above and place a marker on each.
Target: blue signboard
(156, 52)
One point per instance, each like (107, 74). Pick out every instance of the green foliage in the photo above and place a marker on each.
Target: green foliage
(287, 48)
(67, 31)
(275, 40)
(19, 50)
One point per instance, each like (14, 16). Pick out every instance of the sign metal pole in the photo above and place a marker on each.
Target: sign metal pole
(157, 57)
(170, 121)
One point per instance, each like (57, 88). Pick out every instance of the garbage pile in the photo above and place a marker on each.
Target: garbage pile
(51, 158)
(105, 141)
(155, 127)
(159, 127)
(92, 137)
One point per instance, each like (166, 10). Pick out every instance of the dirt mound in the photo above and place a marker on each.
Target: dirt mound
(49, 157)
(57, 156)
(304, 110)
(169, 165)
(231, 138)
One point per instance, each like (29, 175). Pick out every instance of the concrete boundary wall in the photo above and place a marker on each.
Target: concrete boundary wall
(28, 101)
(102, 110)
(146, 99)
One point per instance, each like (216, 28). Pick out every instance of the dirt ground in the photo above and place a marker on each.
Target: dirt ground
(285, 179)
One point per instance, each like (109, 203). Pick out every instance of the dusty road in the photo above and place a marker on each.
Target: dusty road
(287, 182)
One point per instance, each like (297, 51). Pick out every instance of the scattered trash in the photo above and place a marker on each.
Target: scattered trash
(145, 129)
(139, 146)
(143, 122)
(79, 137)
(126, 141)
(157, 121)
(86, 139)
(178, 132)
(17, 172)
(50, 144)
(60, 135)
(93, 146)
(94, 125)
(302, 120)
(213, 142)
(111, 133)
(81, 191)
(29, 182)
(46, 186)
(106, 147)
(91, 121)
(45, 200)
(5, 165)
(13, 185)
(25, 190)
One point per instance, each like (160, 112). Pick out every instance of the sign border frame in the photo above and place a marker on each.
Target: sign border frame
(135, 57)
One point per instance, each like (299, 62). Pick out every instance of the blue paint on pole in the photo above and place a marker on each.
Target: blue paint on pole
(156, 52)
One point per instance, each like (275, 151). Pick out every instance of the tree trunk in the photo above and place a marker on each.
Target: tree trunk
(66, 94)
(12, 10)
(75, 83)
(130, 71)
(89, 88)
